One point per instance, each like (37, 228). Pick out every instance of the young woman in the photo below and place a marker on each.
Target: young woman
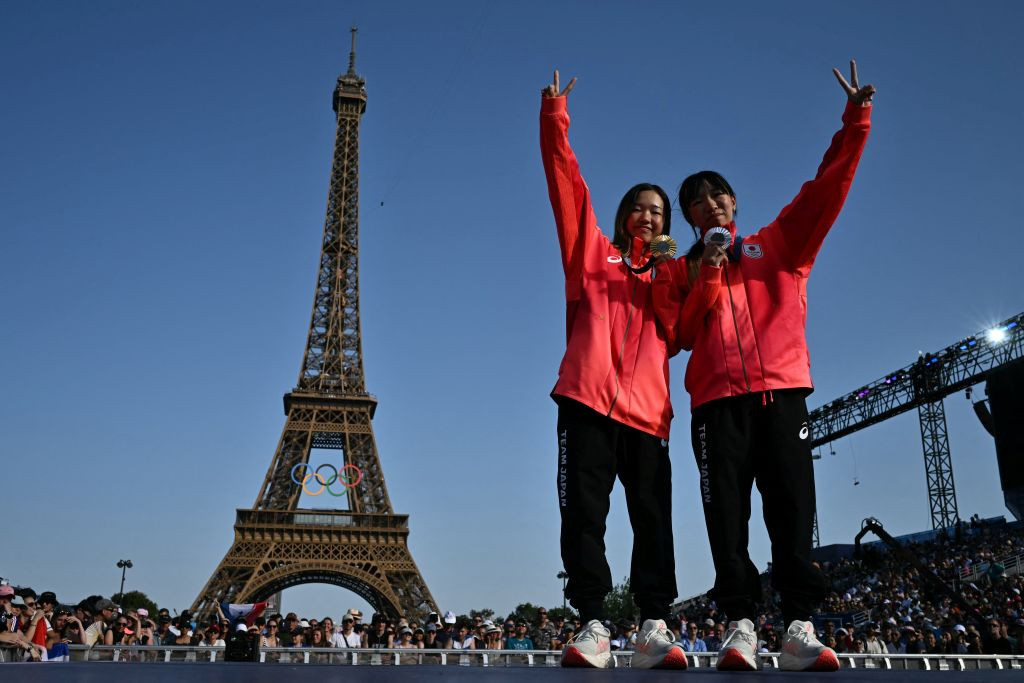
(463, 641)
(748, 377)
(613, 399)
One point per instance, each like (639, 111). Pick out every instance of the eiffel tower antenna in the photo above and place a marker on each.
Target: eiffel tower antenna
(362, 547)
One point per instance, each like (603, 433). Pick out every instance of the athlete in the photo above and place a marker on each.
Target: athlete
(613, 402)
(748, 377)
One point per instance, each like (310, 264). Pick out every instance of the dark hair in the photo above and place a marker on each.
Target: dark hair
(693, 187)
(696, 185)
(621, 239)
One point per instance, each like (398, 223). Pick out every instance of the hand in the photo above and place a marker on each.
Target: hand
(714, 254)
(855, 92)
(553, 91)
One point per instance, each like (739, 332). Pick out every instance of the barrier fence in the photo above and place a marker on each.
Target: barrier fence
(497, 658)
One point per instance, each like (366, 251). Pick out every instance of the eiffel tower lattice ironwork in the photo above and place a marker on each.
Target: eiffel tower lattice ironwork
(364, 547)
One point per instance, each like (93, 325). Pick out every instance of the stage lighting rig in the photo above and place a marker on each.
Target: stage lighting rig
(922, 385)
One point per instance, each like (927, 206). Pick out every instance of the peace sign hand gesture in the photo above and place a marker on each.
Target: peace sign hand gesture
(553, 91)
(855, 92)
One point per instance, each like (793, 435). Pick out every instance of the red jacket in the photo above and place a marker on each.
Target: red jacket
(616, 358)
(745, 321)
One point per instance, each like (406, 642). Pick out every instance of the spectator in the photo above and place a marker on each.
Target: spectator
(543, 632)
(692, 641)
(520, 641)
(96, 631)
(272, 637)
(347, 637)
(327, 626)
(317, 639)
(405, 640)
(378, 637)
(463, 641)
(212, 637)
(430, 637)
(446, 636)
(164, 635)
(996, 642)
(872, 644)
(715, 633)
(492, 638)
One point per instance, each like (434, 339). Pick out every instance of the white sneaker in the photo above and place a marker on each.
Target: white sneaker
(591, 647)
(656, 648)
(739, 649)
(801, 650)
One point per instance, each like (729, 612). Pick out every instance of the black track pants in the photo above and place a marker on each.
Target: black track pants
(592, 450)
(762, 438)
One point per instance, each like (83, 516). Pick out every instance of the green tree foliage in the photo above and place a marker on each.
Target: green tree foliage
(526, 611)
(619, 604)
(134, 600)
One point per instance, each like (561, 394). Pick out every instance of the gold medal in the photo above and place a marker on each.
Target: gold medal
(663, 245)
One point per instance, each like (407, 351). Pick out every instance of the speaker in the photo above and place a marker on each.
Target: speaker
(1005, 389)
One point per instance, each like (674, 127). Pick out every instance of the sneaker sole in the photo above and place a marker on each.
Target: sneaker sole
(825, 661)
(675, 659)
(732, 660)
(574, 658)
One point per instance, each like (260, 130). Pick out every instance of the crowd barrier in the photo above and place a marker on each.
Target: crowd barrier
(504, 658)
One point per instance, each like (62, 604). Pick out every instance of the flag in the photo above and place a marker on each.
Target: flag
(248, 612)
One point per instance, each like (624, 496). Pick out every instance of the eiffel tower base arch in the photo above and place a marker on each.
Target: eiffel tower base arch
(364, 553)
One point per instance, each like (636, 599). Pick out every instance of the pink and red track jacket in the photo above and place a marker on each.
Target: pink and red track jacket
(616, 358)
(746, 325)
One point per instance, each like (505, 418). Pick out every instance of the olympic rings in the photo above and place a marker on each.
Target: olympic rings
(325, 483)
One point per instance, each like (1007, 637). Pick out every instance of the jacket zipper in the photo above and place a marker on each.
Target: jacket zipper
(732, 308)
(622, 349)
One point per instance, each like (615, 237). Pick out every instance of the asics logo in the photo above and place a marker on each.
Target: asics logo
(804, 431)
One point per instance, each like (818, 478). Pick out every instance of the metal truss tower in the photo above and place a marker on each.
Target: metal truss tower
(923, 385)
(363, 547)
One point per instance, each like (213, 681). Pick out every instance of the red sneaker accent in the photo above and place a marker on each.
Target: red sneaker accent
(573, 657)
(826, 661)
(731, 660)
(675, 659)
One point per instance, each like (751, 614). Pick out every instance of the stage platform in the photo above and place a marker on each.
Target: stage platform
(230, 672)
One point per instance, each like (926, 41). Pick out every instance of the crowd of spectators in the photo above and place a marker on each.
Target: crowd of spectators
(879, 604)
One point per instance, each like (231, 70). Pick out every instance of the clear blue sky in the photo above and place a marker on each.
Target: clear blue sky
(161, 206)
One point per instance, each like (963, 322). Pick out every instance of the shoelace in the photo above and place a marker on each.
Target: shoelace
(665, 633)
(585, 634)
(804, 636)
(747, 638)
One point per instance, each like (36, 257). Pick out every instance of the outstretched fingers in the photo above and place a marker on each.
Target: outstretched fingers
(850, 90)
(554, 89)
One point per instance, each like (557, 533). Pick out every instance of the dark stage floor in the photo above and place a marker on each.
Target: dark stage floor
(113, 672)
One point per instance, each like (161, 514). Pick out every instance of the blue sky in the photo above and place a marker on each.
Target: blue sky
(161, 206)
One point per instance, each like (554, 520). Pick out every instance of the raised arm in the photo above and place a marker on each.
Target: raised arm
(570, 197)
(808, 218)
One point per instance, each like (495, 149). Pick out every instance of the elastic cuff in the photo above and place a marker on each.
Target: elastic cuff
(553, 105)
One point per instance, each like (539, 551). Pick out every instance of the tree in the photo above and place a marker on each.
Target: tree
(619, 605)
(525, 611)
(134, 600)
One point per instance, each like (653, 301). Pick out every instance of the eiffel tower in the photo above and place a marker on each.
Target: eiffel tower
(364, 547)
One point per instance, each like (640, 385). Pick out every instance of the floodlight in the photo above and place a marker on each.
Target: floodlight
(996, 335)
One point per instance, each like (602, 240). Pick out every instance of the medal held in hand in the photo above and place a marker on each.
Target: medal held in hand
(662, 245)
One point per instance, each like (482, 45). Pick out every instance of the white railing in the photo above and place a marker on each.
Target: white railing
(503, 658)
(1012, 564)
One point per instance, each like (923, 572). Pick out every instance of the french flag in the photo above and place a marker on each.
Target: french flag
(248, 612)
